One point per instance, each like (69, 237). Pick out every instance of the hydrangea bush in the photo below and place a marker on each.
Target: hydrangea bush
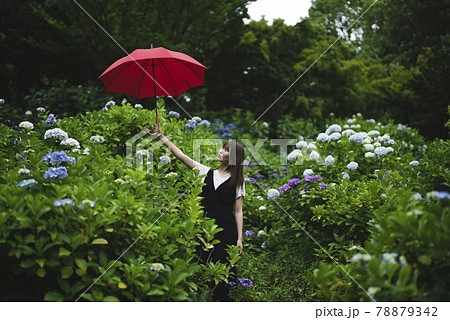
(75, 213)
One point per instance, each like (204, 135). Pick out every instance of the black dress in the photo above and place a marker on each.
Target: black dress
(219, 205)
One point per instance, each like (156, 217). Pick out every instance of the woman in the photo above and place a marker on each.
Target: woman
(224, 190)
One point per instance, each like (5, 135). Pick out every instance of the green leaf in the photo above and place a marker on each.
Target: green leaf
(81, 263)
(111, 299)
(53, 296)
(64, 252)
(155, 292)
(424, 259)
(66, 272)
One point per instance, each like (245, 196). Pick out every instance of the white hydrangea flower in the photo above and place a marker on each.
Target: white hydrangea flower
(369, 155)
(301, 144)
(414, 163)
(86, 151)
(23, 171)
(197, 119)
(71, 143)
(311, 146)
(301, 138)
(367, 140)
(97, 138)
(345, 175)
(348, 132)
(273, 194)
(333, 128)
(57, 132)
(329, 161)
(380, 151)
(171, 174)
(417, 196)
(352, 165)
(308, 172)
(262, 208)
(314, 156)
(377, 144)
(334, 136)
(374, 133)
(156, 266)
(355, 126)
(369, 147)
(345, 126)
(350, 121)
(164, 160)
(389, 149)
(373, 290)
(294, 155)
(260, 233)
(322, 137)
(26, 125)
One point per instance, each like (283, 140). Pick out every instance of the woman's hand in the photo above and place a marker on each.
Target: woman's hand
(157, 130)
(239, 244)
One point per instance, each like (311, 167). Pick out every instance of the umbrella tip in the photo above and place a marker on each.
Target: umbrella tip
(151, 46)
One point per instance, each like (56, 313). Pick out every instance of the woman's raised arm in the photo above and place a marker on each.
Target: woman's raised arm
(173, 148)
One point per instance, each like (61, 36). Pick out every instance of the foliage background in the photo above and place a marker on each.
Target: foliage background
(392, 63)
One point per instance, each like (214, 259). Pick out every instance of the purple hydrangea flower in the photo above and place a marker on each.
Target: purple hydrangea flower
(258, 176)
(317, 177)
(308, 179)
(307, 187)
(294, 182)
(249, 233)
(323, 186)
(284, 188)
(385, 175)
(245, 282)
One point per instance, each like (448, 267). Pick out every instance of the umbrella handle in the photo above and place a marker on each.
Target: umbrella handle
(157, 120)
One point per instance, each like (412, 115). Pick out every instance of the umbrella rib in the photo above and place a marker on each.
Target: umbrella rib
(142, 79)
(170, 77)
(191, 70)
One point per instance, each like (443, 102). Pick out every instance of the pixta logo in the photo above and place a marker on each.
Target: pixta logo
(141, 150)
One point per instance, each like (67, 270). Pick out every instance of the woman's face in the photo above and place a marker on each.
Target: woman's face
(223, 155)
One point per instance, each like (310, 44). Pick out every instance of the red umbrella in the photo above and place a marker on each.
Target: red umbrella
(153, 72)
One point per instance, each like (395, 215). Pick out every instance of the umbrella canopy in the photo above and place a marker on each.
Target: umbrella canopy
(153, 72)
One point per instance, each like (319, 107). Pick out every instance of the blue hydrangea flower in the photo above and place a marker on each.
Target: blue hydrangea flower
(204, 123)
(58, 172)
(249, 233)
(50, 120)
(26, 182)
(63, 202)
(191, 125)
(55, 158)
(174, 114)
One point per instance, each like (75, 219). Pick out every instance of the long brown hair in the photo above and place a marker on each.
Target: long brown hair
(235, 163)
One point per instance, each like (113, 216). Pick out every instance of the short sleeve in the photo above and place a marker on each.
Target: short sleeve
(202, 168)
(240, 191)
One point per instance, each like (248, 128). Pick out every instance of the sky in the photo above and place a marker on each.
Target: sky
(288, 10)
